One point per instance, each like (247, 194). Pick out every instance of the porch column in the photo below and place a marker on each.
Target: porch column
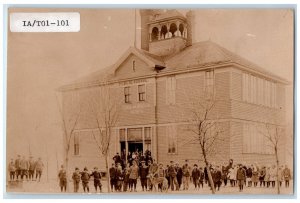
(143, 137)
(126, 144)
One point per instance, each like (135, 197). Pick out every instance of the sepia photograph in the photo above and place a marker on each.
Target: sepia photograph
(168, 101)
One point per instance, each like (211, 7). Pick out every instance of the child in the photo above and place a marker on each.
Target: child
(85, 177)
(76, 179)
(62, 175)
(97, 179)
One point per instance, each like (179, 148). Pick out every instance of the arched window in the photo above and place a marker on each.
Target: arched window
(173, 29)
(164, 31)
(154, 34)
(181, 29)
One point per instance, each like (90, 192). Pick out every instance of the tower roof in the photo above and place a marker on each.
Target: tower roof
(163, 15)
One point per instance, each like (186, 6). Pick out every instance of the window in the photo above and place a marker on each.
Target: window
(134, 134)
(142, 92)
(122, 134)
(133, 65)
(147, 133)
(258, 91)
(76, 143)
(254, 140)
(127, 94)
(172, 139)
(209, 84)
(170, 90)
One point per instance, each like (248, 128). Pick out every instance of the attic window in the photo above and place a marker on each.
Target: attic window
(133, 65)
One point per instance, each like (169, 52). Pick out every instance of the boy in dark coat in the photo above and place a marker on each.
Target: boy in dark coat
(196, 176)
(178, 175)
(241, 177)
(144, 170)
(76, 179)
(112, 174)
(62, 175)
(85, 178)
(202, 176)
(97, 179)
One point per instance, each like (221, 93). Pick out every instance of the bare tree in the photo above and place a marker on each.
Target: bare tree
(273, 134)
(105, 111)
(69, 121)
(206, 131)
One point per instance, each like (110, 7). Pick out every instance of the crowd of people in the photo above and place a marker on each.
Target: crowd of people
(125, 172)
(22, 168)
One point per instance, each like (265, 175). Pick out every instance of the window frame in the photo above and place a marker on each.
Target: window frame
(127, 94)
(142, 94)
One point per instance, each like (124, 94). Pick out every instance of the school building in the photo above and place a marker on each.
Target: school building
(155, 89)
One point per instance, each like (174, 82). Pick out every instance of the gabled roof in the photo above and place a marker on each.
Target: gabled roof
(108, 73)
(199, 55)
(209, 53)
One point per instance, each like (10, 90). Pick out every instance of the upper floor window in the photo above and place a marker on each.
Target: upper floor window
(170, 90)
(209, 83)
(258, 91)
(127, 94)
(142, 92)
(133, 65)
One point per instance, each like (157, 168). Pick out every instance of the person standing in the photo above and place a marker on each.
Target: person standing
(62, 175)
(76, 179)
(280, 175)
(24, 168)
(85, 178)
(31, 163)
(241, 177)
(249, 175)
(134, 174)
(153, 167)
(172, 176)
(217, 177)
(126, 177)
(196, 176)
(11, 170)
(39, 165)
(273, 175)
(262, 174)
(255, 175)
(97, 179)
(186, 175)
(112, 175)
(202, 176)
(119, 177)
(144, 171)
(287, 176)
(17, 167)
(178, 175)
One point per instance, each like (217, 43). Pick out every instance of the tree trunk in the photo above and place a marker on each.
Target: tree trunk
(210, 180)
(277, 176)
(107, 173)
(67, 170)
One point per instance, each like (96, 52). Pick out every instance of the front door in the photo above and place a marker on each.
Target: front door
(135, 146)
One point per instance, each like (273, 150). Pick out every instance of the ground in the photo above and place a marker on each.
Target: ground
(52, 187)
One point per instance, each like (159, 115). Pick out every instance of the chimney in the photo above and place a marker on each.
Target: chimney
(145, 17)
(190, 16)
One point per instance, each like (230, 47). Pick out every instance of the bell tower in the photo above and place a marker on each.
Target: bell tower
(163, 32)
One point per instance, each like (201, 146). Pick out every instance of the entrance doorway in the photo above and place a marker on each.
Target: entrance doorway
(134, 146)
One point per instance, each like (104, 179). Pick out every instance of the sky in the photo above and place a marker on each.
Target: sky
(39, 63)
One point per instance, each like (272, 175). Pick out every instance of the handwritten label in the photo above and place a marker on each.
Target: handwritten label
(45, 22)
